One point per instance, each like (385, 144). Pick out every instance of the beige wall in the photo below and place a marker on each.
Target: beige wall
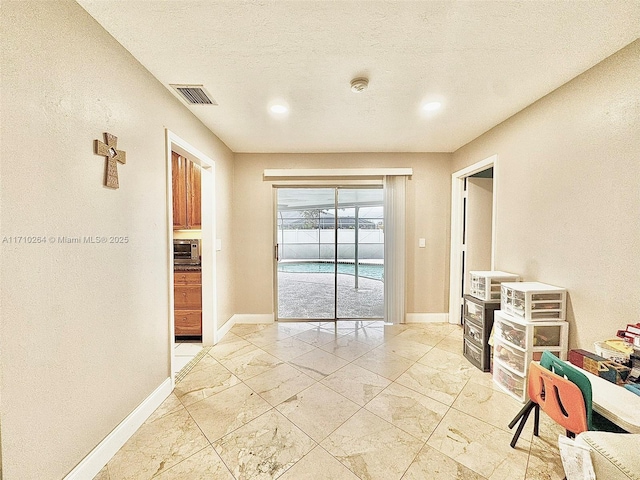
(567, 190)
(85, 333)
(428, 200)
(83, 339)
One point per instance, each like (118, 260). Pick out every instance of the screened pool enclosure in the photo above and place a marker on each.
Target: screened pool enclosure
(330, 253)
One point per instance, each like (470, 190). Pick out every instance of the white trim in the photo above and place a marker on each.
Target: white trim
(107, 448)
(276, 303)
(457, 218)
(171, 280)
(476, 167)
(208, 246)
(335, 172)
(222, 331)
(319, 182)
(189, 150)
(208, 189)
(427, 318)
(252, 318)
(494, 212)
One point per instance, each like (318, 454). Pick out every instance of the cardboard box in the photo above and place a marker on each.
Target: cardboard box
(604, 368)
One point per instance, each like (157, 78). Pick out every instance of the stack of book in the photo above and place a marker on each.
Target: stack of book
(634, 376)
(631, 334)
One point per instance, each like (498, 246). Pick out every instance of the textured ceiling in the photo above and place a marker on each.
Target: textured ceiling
(484, 60)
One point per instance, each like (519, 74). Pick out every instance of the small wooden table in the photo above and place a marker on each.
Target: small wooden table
(616, 403)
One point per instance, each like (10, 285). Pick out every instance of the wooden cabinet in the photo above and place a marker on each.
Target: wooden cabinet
(182, 277)
(187, 292)
(186, 181)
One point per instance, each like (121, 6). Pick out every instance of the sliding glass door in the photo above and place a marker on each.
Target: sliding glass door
(329, 253)
(360, 288)
(305, 253)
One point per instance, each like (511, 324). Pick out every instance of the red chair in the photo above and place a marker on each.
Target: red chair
(558, 397)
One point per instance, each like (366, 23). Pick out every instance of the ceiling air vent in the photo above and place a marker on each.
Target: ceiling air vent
(194, 94)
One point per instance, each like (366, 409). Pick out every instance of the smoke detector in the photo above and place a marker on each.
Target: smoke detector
(359, 85)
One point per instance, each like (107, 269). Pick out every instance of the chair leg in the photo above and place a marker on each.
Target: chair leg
(520, 413)
(524, 414)
(536, 420)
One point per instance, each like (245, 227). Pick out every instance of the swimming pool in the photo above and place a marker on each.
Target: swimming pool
(375, 272)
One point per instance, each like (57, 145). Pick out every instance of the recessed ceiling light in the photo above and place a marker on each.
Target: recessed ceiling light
(432, 106)
(278, 109)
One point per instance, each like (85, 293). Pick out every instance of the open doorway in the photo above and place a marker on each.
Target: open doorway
(206, 235)
(478, 220)
(473, 220)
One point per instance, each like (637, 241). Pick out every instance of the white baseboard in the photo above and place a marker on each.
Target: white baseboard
(107, 448)
(427, 318)
(222, 331)
(252, 318)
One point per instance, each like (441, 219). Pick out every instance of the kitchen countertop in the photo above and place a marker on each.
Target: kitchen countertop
(187, 268)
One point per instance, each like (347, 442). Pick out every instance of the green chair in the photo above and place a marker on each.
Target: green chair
(571, 373)
(563, 369)
(595, 421)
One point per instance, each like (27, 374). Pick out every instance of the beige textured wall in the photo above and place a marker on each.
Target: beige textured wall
(85, 333)
(428, 204)
(568, 196)
(478, 230)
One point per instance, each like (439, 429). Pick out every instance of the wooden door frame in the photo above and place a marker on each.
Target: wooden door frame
(208, 246)
(457, 226)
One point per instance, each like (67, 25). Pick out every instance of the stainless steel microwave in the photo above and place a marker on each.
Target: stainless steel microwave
(186, 252)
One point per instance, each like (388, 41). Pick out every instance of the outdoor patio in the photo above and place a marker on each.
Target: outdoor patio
(311, 295)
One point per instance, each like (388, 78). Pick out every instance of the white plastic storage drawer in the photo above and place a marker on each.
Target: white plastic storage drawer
(509, 331)
(511, 356)
(531, 336)
(485, 285)
(533, 301)
(510, 382)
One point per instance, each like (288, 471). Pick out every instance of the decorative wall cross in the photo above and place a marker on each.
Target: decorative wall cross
(113, 156)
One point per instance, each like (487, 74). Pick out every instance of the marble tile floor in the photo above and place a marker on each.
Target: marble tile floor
(356, 400)
(183, 352)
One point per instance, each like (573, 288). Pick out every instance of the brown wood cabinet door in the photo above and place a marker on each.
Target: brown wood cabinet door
(188, 322)
(187, 278)
(187, 297)
(187, 302)
(194, 214)
(179, 184)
